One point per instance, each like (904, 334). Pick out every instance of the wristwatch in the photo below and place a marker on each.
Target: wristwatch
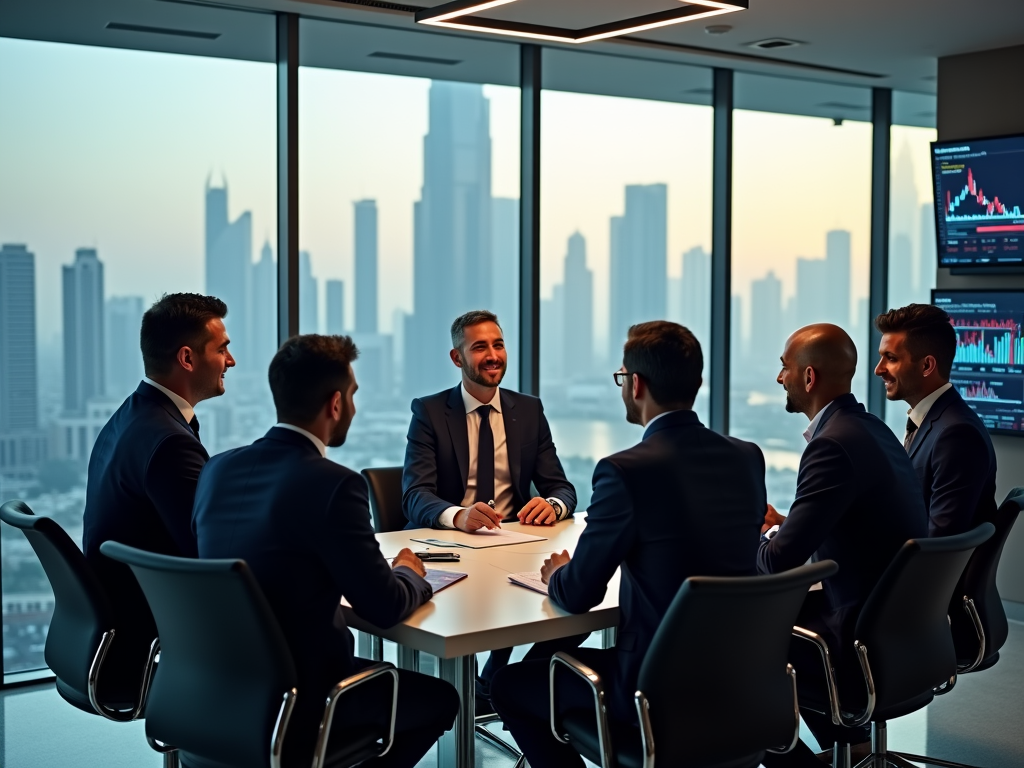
(560, 512)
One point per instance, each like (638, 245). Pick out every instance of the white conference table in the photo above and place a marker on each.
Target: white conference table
(482, 612)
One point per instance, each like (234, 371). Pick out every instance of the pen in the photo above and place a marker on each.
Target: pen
(491, 505)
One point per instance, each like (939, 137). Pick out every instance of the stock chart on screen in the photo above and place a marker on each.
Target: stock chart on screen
(979, 194)
(988, 369)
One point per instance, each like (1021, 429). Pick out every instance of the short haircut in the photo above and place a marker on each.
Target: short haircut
(668, 357)
(928, 332)
(177, 320)
(306, 372)
(462, 322)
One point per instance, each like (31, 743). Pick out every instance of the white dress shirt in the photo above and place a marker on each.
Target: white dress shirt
(183, 405)
(313, 438)
(809, 432)
(919, 412)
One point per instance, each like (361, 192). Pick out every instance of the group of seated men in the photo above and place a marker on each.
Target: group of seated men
(684, 501)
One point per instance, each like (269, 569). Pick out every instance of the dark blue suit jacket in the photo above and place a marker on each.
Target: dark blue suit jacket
(857, 502)
(685, 501)
(302, 523)
(437, 455)
(956, 466)
(142, 481)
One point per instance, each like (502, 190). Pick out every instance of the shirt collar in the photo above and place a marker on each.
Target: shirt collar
(813, 426)
(472, 403)
(187, 411)
(663, 413)
(918, 413)
(313, 438)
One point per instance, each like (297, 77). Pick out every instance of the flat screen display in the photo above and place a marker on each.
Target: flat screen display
(988, 369)
(979, 194)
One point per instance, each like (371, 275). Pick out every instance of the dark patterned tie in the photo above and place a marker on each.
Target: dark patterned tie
(911, 431)
(195, 425)
(485, 457)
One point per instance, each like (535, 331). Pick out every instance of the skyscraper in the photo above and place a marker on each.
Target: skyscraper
(228, 273)
(639, 257)
(837, 268)
(124, 357)
(904, 206)
(309, 308)
(577, 308)
(263, 328)
(19, 390)
(901, 274)
(334, 295)
(366, 265)
(766, 328)
(695, 302)
(452, 222)
(83, 331)
(505, 272)
(812, 292)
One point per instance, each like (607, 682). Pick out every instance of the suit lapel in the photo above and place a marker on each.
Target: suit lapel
(455, 415)
(155, 395)
(513, 443)
(933, 415)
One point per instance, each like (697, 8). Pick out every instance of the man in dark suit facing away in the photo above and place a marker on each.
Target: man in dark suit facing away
(472, 453)
(684, 501)
(857, 502)
(946, 441)
(147, 458)
(302, 523)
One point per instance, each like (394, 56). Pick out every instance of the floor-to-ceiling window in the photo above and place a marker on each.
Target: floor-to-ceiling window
(125, 175)
(625, 235)
(800, 247)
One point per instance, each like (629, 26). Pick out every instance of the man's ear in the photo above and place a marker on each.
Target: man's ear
(456, 358)
(810, 378)
(334, 406)
(929, 365)
(638, 386)
(186, 359)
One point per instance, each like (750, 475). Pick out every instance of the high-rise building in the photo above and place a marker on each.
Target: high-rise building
(124, 357)
(452, 223)
(505, 268)
(837, 268)
(309, 307)
(695, 298)
(904, 203)
(552, 335)
(263, 343)
(366, 265)
(737, 337)
(639, 260)
(577, 308)
(334, 295)
(228, 273)
(83, 331)
(767, 333)
(812, 292)
(19, 384)
(901, 271)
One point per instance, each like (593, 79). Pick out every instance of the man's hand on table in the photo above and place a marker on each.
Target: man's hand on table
(478, 516)
(538, 511)
(410, 561)
(771, 518)
(553, 563)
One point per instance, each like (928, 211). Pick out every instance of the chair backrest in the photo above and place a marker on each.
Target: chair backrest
(715, 674)
(81, 609)
(386, 498)
(224, 664)
(979, 583)
(903, 625)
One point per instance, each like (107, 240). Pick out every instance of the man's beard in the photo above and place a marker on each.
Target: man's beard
(339, 434)
(477, 377)
(632, 409)
(791, 406)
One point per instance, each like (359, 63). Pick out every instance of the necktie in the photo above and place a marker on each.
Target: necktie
(911, 431)
(195, 425)
(485, 457)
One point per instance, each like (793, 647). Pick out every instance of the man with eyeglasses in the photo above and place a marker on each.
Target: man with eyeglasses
(683, 501)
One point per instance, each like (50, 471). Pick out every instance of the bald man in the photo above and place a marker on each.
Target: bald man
(857, 502)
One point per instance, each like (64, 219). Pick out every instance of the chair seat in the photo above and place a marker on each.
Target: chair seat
(354, 747)
(81, 701)
(902, 708)
(989, 661)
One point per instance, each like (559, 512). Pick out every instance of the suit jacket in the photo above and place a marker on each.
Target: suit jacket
(857, 502)
(141, 484)
(436, 469)
(685, 501)
(956, 465)
(302, 523)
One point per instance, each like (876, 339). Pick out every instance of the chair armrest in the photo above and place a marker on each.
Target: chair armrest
(838, 717)
(93, 680)
(979, 630)
(354, 681)
(600, 704)
(796, 711)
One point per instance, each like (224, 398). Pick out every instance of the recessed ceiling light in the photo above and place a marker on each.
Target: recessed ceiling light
(718, 29)
(774, 43)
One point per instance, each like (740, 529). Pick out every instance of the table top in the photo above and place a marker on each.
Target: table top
(485, 610)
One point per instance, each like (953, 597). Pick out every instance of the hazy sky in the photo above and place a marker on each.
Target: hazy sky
(111, 149)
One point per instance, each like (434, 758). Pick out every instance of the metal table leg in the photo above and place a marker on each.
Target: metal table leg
(609, 636)
(456, 748)
(369, 646)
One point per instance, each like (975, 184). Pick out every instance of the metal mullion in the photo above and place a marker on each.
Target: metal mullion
(878, 298)
(287, 176)
(721, 251)
(529, 220)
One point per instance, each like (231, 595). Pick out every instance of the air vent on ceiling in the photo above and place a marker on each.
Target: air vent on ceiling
(163, 31)
(700, 91)
(418, 59)
(383, 6)
(774, 43)
(846, 107)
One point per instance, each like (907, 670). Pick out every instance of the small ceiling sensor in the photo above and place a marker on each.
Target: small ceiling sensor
(774, 43)
(718, 29)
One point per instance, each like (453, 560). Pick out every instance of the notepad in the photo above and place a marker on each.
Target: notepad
(530, 580)
(439, 579)
(482, 539)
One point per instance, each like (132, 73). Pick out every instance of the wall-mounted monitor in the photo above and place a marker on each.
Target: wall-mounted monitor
(979, 196)
(988, 369)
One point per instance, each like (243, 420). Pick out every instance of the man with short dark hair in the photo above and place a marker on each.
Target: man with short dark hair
(684, 501)
(302, 523)
(147, 458)
(948, 444)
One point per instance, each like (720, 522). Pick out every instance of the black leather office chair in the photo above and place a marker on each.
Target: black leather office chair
(97, 669)
(715, 689)
(903, 642)
(386, 498)
(225, 687)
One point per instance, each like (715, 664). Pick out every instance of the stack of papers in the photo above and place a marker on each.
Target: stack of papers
(482, 539)
(439, 579)
(530, 580)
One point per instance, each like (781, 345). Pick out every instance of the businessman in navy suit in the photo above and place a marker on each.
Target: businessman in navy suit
(302, 523)
(857, 502)
(473, 452)
(949, 446)
(684, 501)
(147, 458)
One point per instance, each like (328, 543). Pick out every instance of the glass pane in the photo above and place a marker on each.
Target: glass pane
(116, 181)
(801, 227)
(625, 238)
(912, 254)
(410, 217)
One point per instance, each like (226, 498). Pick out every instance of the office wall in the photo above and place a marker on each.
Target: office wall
(973, 102)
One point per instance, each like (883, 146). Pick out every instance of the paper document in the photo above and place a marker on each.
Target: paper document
(439, 579)
(529, 580)
(482, 539)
